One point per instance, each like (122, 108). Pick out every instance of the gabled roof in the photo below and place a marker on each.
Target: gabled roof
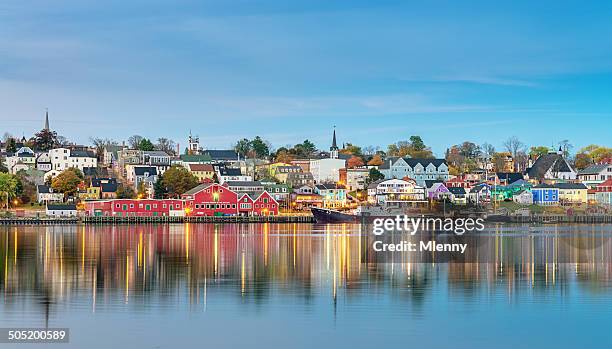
(43, 189)
(198, 189)
(81, 154)
(457, 190)
(554, 162)
(375, 184)
(141, 170)
(155, 153)
(593, 169)
(329, 186)
(412, 162)
(58, 207)
(196, 158)
(570, 186)
(222, 154)
(228, 171)
(201, 168)
(509, 177)
(243, 184)
(607, 183)
(430, 182)
(108, 187)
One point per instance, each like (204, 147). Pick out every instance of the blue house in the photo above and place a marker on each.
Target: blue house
(545, 194)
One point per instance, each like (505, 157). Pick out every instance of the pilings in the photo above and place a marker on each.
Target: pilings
(159, 219)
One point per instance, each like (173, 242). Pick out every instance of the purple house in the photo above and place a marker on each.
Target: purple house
(436, 190)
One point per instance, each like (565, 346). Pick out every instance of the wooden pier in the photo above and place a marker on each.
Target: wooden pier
(156, 220)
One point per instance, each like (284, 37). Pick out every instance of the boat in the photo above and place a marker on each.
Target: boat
(363, 214)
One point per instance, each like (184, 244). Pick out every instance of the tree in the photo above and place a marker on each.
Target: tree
(45, 140)
(26, 188)
(67, 182)
(376, 160)
(100, 144)
(146, 145)
(166, 145)
(305, 149)
(8, 188)
(582, 161)
(134, 141)
(595, 153)
(513, 145)
(283, 155)
(2, 165)
(177, 180)
(350, 149)
(499, 161)
(417, 143)
(159, 188)
(354, 161)
(260, 147)
(142, 191)
(537, 151)
(565, 147)
(374, 175)
(11, 145)
(243, 147)
(125, 192)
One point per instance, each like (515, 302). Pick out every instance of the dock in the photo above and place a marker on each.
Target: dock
(102, 220)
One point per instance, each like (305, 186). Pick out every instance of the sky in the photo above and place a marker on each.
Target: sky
(380, 71)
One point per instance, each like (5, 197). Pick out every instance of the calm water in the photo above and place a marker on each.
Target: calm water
(302, 286)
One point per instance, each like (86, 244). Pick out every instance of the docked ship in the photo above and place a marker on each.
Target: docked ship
(362, 214)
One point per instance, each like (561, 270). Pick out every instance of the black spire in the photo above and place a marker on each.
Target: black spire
(334, 146)
(47, 120)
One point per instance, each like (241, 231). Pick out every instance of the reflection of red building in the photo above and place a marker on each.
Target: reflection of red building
(135, 208)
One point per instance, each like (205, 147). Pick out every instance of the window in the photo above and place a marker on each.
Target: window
(178, 206)
(139, 205)
(131, 205)
(164, 206)
(117, 205)
(197, 206)
(233, 205)
(154, 205)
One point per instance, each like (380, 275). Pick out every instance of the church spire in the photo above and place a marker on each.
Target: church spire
(47, 120)
(333, 150)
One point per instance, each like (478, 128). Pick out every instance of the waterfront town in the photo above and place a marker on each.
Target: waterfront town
(47, 175)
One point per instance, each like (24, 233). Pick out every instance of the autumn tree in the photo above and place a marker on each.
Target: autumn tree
(177, 180)
(414, 147)
(582, 161)
(350, 149)
(283, 155)
(537, 151)
(67, 182)
(376, 160)
(354, 161)
(513, 145)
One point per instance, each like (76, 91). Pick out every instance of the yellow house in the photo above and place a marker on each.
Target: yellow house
(572, 193)
(202, 171)
(272, 168)
(91, 193)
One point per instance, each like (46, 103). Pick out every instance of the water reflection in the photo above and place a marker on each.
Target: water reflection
(102, 268)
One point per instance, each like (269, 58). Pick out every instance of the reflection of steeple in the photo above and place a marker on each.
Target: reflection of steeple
(47, 120)
(333, 150)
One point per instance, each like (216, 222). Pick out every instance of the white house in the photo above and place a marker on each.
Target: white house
(399, 193)
(45, 194)
(24, 158)
(523, 197)
(227, 174)
(43, 162)
(594, 175)
(418, 169)
(552, 166)
(61, 210)
(63, 158)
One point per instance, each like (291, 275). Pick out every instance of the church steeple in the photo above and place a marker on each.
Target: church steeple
(333, 150)
(47, 120)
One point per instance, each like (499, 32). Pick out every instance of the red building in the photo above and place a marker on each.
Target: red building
(210, 199)
(135, 208)
(257, 204)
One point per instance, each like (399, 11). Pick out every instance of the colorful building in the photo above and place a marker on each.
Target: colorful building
(545, 194)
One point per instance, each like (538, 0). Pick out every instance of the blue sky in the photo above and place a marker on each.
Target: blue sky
(381, 71)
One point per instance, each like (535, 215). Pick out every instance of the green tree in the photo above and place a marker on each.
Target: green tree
(177, 180)
(537, 151)
(8, 188)
(375, 175)
(159, 188)
(351, 149)
(146, 145)
(67, 182)
(260, 147)
(27, 189)
(243, 147)
(417, 143)
(11, 145)
(45, 140)
(305, 149)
